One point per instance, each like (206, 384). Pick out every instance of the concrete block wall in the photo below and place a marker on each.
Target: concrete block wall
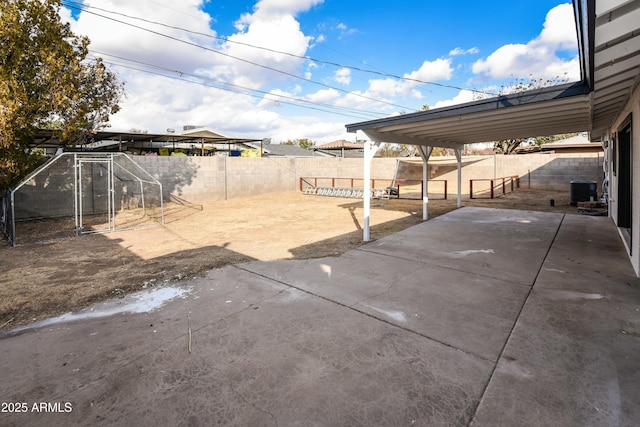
(250, 176)
(197, 179)
(381, 168)
(194, 179)
(553, 171)
(539, 171)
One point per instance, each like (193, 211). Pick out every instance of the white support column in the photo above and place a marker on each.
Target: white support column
(458, 152)
(370, 149)
(425, 153)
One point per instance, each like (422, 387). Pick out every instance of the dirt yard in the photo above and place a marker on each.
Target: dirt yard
(48, 279)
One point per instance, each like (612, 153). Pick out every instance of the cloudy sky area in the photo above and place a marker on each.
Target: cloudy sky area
(287, 69)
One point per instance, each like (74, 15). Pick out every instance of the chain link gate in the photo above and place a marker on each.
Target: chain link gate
(82, 193)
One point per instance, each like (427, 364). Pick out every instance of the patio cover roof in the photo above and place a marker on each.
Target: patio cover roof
(609, 45)
(546, 111)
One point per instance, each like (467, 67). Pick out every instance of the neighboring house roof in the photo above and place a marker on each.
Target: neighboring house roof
(609, 45)
(202, 132)
(340, 144)
(341, 148)
(575, 144)
(352, 154)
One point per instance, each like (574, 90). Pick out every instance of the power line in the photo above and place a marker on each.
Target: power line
(242, 90)
(308, 58)
(361, 113)
(67, 3)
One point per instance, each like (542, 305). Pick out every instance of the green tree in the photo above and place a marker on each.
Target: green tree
(540, 140)
(47, 82)
(396, 150)
(305, 143)
(389, 150)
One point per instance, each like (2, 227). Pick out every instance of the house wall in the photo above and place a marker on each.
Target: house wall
(198, 179)
(633, 109)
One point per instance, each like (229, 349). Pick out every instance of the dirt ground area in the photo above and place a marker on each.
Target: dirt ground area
(47, 279)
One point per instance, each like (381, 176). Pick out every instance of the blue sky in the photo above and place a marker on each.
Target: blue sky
(286, 69)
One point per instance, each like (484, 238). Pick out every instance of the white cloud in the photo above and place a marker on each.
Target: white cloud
(459, 51)
(559, 28)
(310, 127)
(272, 25)
(273, 98)
(275, 8)
(119, 35)
(281, 34)
(323, 96)
(540, 57)
(440, 69)
(429, 71)
(155, 103)
(345, 31)
(343, 76)
(359, 100)
(462, 97)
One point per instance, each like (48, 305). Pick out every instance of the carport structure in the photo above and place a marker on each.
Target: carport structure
(609, 48)
(546, 111)
(47, 140)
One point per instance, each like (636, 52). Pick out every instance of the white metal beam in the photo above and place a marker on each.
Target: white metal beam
(370, 149)
(425, 153)
(459, 158)
(404, 139)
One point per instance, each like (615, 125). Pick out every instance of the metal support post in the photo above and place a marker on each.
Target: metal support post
(370, 149)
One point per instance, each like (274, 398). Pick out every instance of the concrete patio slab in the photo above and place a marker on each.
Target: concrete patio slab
(414, 329)
(348, 279)
(281, 358)
(573, 358)
(463, 310)
(479, 241)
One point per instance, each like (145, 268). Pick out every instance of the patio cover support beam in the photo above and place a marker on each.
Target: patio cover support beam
(458, 152)
(425, 153)
(405, 139)
(370, 149)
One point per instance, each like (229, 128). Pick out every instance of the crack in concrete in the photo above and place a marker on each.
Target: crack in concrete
(444, 267)
(515, 323)
(264, 411)
(478, 356)
(386, 292)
